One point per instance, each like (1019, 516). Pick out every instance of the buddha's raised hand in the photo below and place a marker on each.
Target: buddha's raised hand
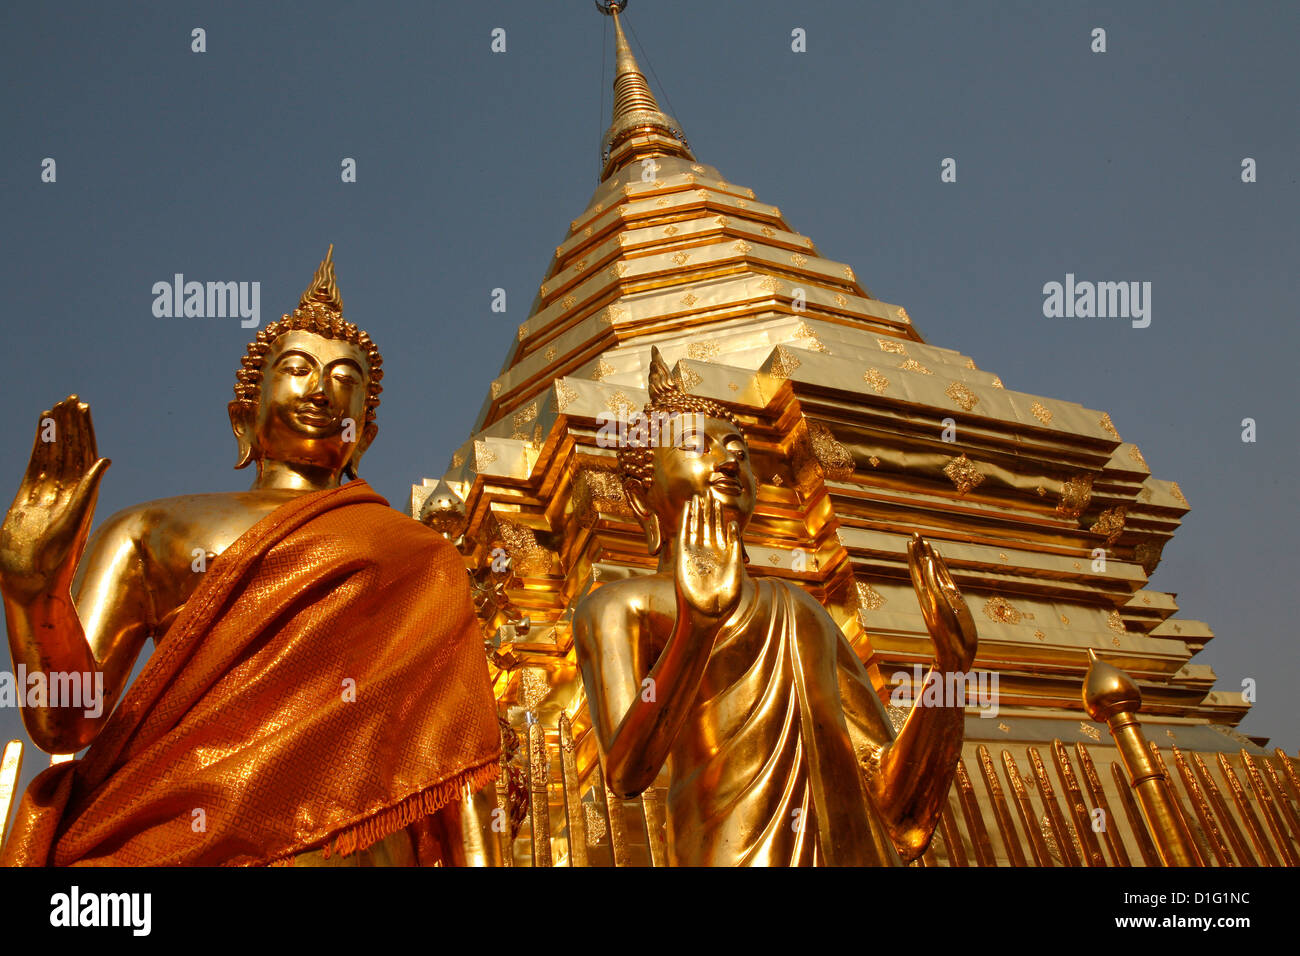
(947, 617)
(45, 530)
(709, 562)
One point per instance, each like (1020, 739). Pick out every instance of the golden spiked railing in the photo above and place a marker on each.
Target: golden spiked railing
(1034, 812)
(1045, 806)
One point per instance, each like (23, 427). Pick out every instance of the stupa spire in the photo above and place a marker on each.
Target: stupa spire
(638, 127)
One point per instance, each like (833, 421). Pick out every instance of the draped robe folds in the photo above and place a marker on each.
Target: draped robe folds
(765, 770)
(324, 687)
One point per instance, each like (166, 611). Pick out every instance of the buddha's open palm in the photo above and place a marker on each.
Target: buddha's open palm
(710, 562)
(947, 617)
(45, 530)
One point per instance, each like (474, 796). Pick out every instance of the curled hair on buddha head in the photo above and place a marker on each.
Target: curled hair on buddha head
(667, 397)
(320, 311)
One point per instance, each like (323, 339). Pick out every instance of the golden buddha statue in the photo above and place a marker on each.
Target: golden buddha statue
(779, 749)
(319, 688)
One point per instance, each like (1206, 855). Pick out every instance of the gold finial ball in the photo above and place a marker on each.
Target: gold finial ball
(444, 511)
(1107, 690)
(610, 7)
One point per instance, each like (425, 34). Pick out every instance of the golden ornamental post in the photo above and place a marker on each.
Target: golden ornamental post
(1110, 695)
(573, 812)
(539, 779)
(11, 765)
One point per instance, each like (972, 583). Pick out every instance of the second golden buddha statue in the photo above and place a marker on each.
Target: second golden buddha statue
(778, 747)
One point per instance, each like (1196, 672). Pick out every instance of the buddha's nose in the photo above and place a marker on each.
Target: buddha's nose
(730, 467)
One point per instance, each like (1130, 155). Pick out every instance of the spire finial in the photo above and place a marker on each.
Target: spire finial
(631, 91)
(636, 114)
(324, 287)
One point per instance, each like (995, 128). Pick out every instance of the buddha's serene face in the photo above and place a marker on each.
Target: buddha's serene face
(709, 458)
(313, 400)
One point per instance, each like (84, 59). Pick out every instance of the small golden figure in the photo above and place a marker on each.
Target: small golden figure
(319, 688)
(779, 750)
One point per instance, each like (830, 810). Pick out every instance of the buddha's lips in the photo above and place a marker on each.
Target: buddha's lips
(726, 485)
(313, 417)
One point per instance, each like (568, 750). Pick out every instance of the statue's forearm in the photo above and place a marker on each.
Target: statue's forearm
(641, 743)
(912, 776)
(46, 637)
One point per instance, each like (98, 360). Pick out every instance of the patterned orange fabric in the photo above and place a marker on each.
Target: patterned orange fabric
(245, 711)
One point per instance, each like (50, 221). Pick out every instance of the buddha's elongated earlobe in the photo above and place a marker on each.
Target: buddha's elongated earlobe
(654, 535)
(241, 423)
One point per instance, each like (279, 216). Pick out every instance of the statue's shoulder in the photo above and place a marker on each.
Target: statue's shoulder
(211, 521)
(613, 603)
(147, 517)
(191, 509)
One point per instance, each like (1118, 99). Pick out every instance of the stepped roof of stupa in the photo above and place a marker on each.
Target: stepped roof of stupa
(1049, 520)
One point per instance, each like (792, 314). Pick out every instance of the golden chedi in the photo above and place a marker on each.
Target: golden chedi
(860, 433)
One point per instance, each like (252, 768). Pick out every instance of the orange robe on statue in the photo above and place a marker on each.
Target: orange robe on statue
(324, 687)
